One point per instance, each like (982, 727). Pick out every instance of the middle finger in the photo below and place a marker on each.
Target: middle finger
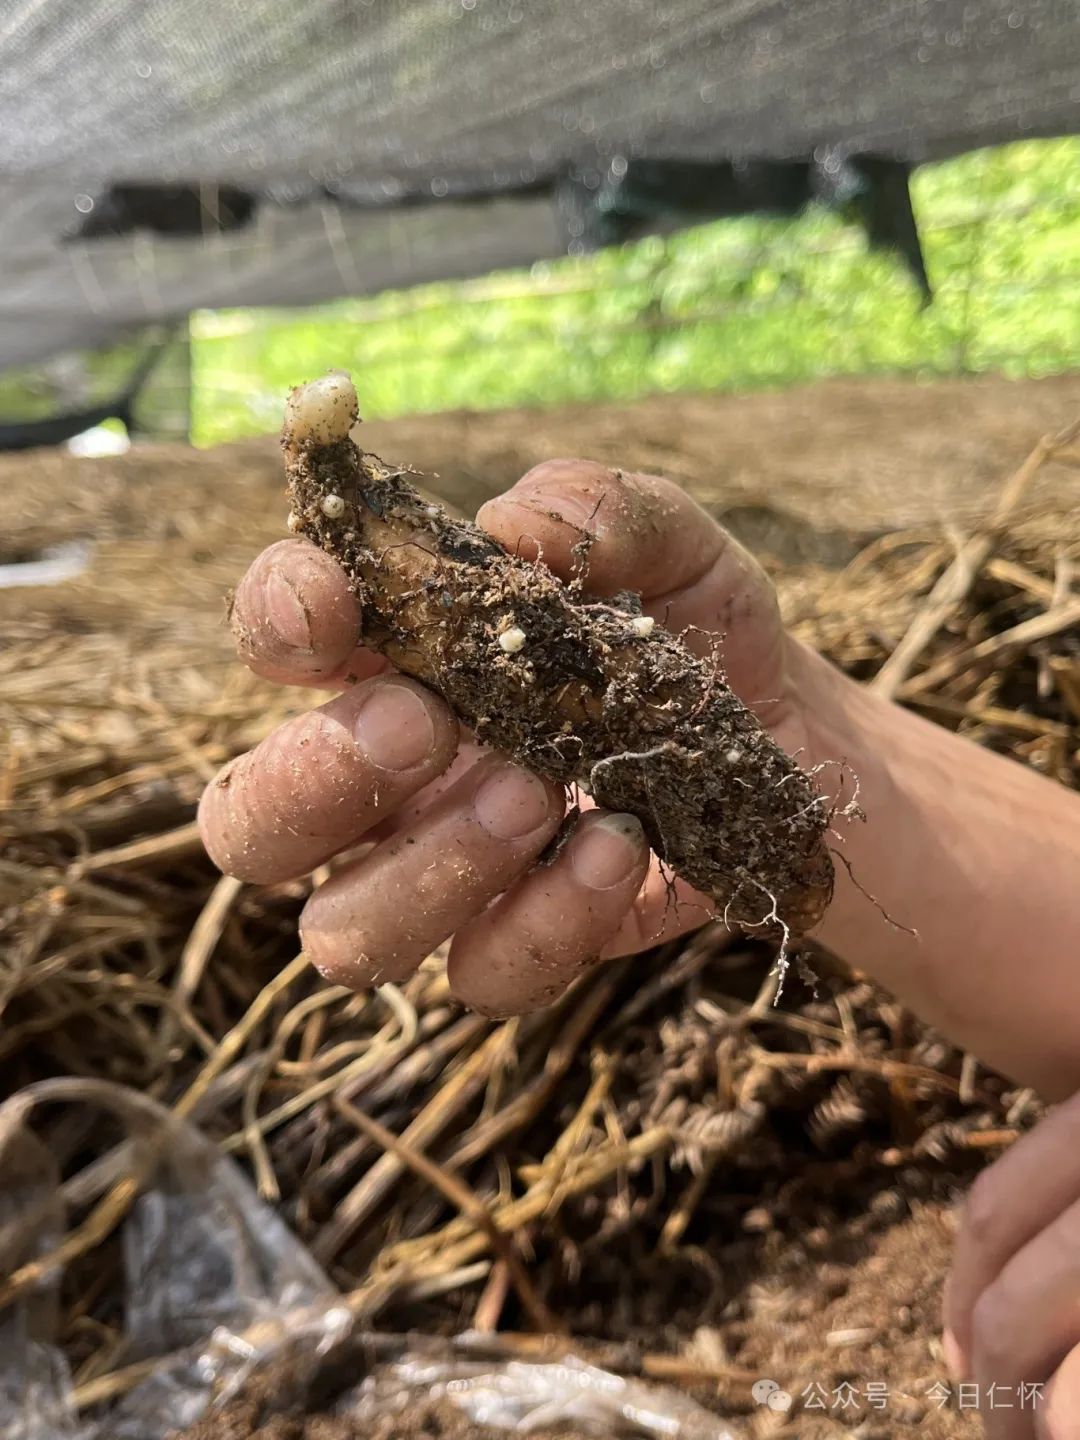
(378, 918)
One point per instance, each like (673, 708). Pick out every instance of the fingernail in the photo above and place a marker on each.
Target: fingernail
(394, 727)
(604, 852)
(954, 1359)
(511, 803)
(285, 612)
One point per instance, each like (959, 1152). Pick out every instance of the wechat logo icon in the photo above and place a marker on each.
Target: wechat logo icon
(768, 1392)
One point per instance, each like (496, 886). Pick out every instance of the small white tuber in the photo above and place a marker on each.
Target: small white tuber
(323, 411)
(512, 640)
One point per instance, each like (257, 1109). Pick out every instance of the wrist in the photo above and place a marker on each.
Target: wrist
(845, 727)
(958, 892)
(876, 759)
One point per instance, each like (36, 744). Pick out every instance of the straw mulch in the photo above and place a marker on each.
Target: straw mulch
(657, 1160)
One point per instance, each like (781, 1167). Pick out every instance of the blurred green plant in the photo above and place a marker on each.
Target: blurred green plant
(735, 304)
(38, 392)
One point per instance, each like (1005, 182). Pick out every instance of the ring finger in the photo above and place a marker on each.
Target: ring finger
(378, 918)
(527, 948)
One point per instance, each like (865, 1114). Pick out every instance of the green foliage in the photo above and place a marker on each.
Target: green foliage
(34, 393)
(730, 305)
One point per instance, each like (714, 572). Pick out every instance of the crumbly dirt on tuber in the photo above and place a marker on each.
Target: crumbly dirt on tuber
(586, 692)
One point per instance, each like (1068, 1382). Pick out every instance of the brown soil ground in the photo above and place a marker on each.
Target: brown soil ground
(852, 454)
(814, 1255)
(798, 471)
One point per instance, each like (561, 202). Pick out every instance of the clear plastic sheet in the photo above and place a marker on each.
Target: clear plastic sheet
(523, 1396)
(216, 1285)
(212, 1277)
(35, 1383)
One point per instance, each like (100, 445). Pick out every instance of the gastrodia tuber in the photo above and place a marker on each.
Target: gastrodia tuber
(589, 693)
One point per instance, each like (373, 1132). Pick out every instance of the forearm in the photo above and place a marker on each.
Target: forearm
(975, 854)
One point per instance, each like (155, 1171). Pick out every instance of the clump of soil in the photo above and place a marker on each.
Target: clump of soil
(588, 693)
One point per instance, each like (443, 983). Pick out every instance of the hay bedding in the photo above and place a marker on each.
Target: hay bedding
(704, 1187)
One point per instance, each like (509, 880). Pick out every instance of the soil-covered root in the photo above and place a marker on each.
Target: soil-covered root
(589, 693)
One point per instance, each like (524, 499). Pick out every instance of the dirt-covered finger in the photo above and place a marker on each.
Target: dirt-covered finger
(296, 620)
(1009, 1204)
(664, 908)
(1025, 1325)
(377, 919)
(528, 947)
(321, 781)
(642, 532)
(407, 814)
(649, 536)
(731, 611)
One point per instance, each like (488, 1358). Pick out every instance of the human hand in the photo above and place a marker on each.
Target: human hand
(455, 827)
(1012, 1302)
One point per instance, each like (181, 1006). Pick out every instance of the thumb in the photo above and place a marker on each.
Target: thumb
(645, 534)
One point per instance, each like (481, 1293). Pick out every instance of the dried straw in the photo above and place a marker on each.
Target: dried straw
(410, 1145)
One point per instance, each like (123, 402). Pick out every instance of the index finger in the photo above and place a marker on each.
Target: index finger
(296, 620)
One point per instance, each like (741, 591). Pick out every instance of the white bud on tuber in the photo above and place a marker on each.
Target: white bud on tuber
(512, 640)
(295, 523)
(643, 626)
(323, 411)
(332, 506)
